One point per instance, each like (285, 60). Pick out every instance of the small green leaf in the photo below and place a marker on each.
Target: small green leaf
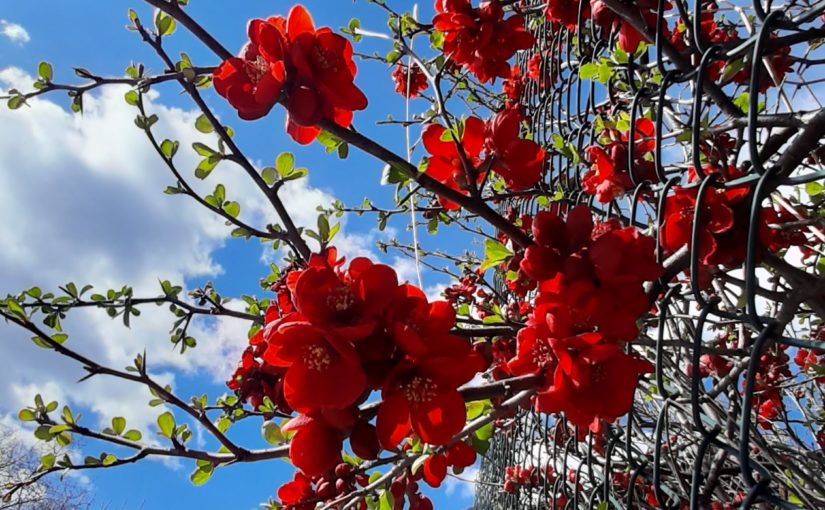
(588, 71)
(232, 208)
(272, 434)
(202, 474)
(47, 461)
(132, 98)
(203, 125)
(164, 23)
(495, 253)
(166, 424)
(118, 425)
(26, 415)
(392, 174)
(133, 435)
(285, 163)
(169, 148)
(269, 175)
(44, 70)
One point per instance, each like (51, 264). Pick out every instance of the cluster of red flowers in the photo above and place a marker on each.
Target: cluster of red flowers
(409, 80)
(287, 59)
(609, 177)
(723, 230)
(714, 31)
(332, 337)
(519, 162)
(479, 38)
(590, 296)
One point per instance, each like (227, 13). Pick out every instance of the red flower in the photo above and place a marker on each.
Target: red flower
(414, 323)
(534, 353)
(435, 470)
(315, 447)
(415, 78)
(364, 441)
(252, 83)
(593, 380)
(480, 38)
(350, 303)
(606, 179)
(323, 371)
(519, 162)
(296, 493)
(717, 218)
(461, 455)
(445, 165)
(313, 67)
(421, 394)
(566, 12)
(324, 73)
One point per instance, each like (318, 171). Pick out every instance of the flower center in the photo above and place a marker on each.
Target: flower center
(324, 60)
(420, 390)
(542, 354)
(257, 69)
(340, 299)
(317, 358)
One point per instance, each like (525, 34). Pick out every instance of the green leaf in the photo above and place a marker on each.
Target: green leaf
(232, 208)
(164, 23)
(269, 175)
(272, 434)
(16, 102)
(44, 70)
(108, 459)
(392, 174)
(588, 71)
(203, 125)
(202, 474)
(495, 253)
(169, 148)
(814, 188)
(26, 415)
(743, 102)
(132, 98)
(166, 424)
(47, 461)
(133, 435)
(285, 163)
(485, 432)
(203, 150)
(118, 425)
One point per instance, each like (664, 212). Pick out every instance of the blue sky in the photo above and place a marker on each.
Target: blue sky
(57, 167)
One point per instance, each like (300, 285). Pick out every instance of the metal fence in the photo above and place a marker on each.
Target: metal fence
(689, 442)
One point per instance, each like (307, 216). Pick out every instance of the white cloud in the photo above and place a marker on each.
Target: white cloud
(15, 33)
(464, 485)
(81, 200)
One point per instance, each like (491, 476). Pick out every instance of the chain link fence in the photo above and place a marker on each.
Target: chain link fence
(690, 441)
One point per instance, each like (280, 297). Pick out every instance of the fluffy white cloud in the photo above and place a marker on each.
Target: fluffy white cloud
(14, 32)
(81, 200)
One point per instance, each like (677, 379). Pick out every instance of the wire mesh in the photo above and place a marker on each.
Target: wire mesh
(689, 441)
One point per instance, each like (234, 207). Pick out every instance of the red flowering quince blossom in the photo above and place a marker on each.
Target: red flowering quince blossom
(409, 81)
(519, 162)
(352, 303)
(445, 164)
(316, 445)
(323, 370)
(313, 68)
(593, 380)
(295, 493)
(412, 320)
(608, 177)
(253, 82)
(480, 38)
(566, 12)
(421, 395)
